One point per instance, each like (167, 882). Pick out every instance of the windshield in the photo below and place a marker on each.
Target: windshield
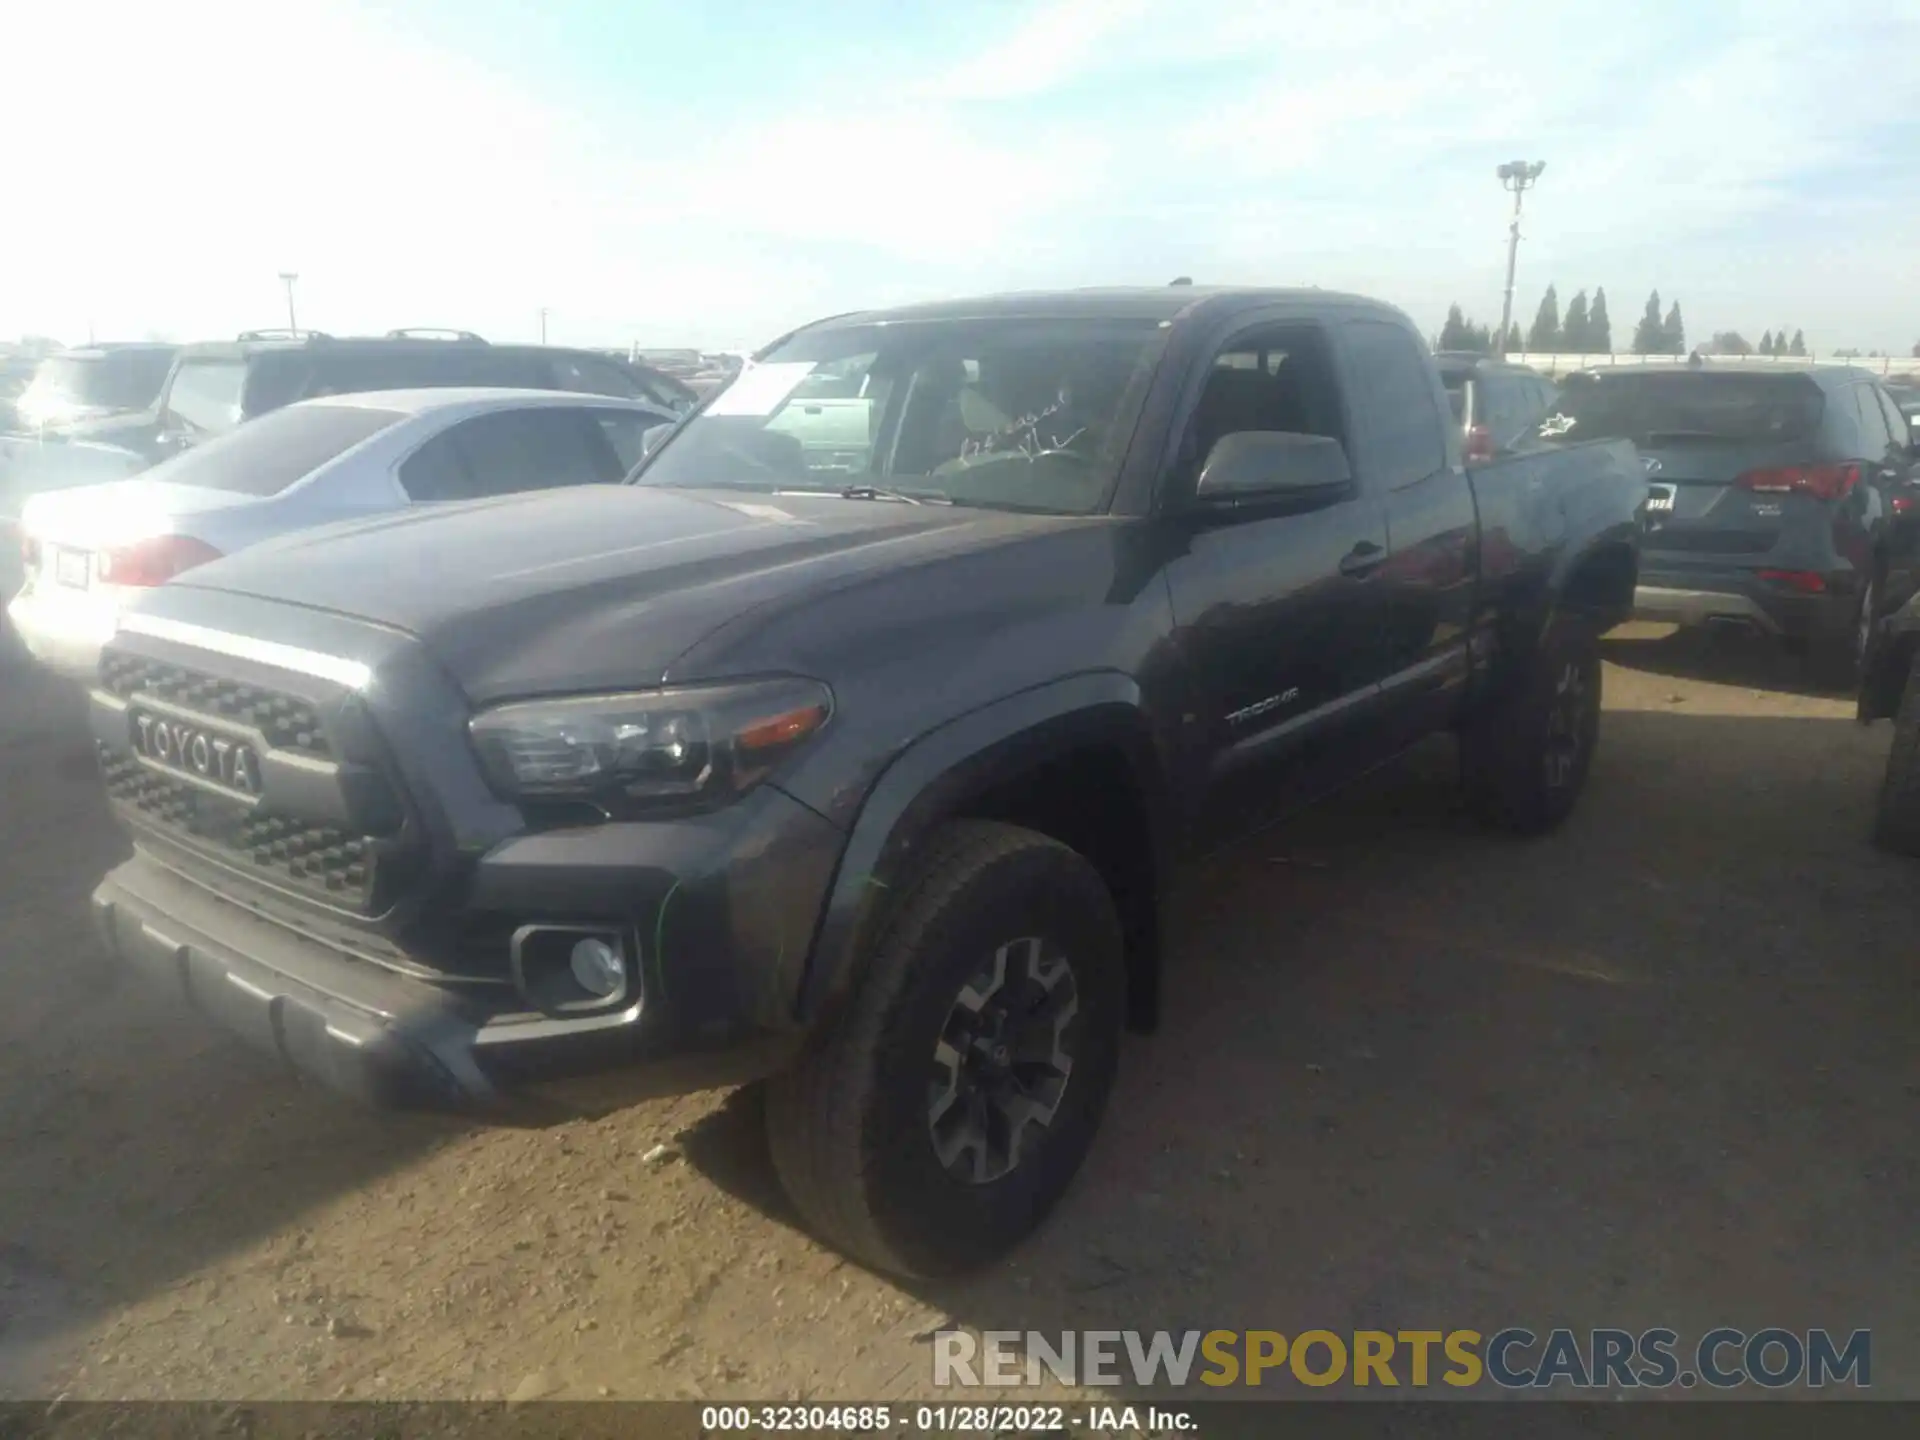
(265, 456)
(124, 381)
(1016, 414)
(1655, 408)
(205, 395)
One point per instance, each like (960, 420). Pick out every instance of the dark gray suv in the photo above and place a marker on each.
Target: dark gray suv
(1770, 494)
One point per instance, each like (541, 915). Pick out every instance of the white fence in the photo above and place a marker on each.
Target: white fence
(1564, 364)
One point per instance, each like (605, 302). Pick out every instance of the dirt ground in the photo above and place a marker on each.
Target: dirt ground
(1658, 1069)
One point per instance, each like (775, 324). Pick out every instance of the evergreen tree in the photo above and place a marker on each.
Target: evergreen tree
(1453, 333)
(1766, 343)
(1576, 330)
(1514, 344)
(1599, 328)
(1544, 337)
(1649, 337)
(1673, 332)
(1799, 346)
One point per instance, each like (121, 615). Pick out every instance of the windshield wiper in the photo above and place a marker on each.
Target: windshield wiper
(875, 492)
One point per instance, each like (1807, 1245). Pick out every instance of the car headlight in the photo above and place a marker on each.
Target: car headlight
(692, 746)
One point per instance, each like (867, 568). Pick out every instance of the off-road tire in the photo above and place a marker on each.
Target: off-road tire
(849, 1124)
(1508, 751)
(1896, 818)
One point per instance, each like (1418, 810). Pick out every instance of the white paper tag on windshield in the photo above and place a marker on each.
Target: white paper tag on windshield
(759, 389)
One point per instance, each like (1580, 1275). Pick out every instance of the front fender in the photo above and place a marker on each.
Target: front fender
(927, 781)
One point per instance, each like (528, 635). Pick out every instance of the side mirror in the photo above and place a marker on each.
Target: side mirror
(652, 436)
(1271, 465)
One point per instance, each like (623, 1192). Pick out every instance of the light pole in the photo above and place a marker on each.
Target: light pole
(287, 277)
(1517, 176)
(543, 324)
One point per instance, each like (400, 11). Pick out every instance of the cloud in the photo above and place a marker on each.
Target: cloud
(1059, 41)
(1079, 141)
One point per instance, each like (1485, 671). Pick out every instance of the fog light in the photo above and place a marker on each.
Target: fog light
(596, 968)
(574, 970)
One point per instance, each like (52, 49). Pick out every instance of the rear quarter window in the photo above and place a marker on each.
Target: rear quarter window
(206, 395)
(266, 456)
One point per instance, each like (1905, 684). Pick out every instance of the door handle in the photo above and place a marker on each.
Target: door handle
(1362, 559)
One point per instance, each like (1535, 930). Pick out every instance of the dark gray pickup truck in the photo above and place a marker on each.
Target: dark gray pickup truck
(862, 770)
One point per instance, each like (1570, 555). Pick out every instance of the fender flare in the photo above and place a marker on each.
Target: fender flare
(1517, 633)
(924, 783)
(1624, 535)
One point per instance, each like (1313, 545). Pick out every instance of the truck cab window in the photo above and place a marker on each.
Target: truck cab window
(1271, 378)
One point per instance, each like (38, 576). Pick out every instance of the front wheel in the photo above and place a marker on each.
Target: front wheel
(1524, 759)
(953, 1101)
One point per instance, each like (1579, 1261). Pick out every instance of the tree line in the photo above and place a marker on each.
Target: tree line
(1772, 342)
(1587, 329)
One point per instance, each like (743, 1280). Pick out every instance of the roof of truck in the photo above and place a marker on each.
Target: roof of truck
(1143, 302)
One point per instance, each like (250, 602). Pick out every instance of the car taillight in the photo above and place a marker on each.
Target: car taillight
(1807, 582)
(1823, 482)
(153, 562)
(1479, 443)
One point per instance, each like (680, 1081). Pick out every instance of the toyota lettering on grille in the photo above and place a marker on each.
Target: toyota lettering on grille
(200, 754)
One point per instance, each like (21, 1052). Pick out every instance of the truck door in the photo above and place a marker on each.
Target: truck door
(1276, 605)
(1401, 453)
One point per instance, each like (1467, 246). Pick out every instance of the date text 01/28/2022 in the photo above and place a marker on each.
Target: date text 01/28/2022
(936, 1419)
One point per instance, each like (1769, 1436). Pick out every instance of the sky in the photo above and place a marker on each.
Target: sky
(712, 175)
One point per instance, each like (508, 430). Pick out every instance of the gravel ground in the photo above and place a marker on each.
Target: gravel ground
(1658, 1069)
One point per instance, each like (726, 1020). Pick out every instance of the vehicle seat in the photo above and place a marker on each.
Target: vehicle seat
(1237, 400)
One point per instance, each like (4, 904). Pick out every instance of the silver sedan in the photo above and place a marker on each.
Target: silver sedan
(89, 551)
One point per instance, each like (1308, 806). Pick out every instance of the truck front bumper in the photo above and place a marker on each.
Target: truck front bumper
(714, 1009)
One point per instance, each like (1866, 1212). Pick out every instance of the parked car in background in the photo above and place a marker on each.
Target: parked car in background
(95, 393)
(1769, 495)
(74, 390)
(871, 782)
(16, 373)
(215, 386)
(1496, 403)
(1905, 390)
(87, 552)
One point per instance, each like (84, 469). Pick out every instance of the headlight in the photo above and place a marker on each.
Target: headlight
(683, 747)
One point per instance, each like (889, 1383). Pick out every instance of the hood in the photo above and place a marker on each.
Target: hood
(597, 587)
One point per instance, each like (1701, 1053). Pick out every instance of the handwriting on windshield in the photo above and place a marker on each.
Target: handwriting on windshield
(1021, 437)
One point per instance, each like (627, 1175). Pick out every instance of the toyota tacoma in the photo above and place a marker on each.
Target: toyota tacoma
(861, 776)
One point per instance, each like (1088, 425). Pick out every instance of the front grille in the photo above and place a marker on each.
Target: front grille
(318, 860)
(286, 722)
